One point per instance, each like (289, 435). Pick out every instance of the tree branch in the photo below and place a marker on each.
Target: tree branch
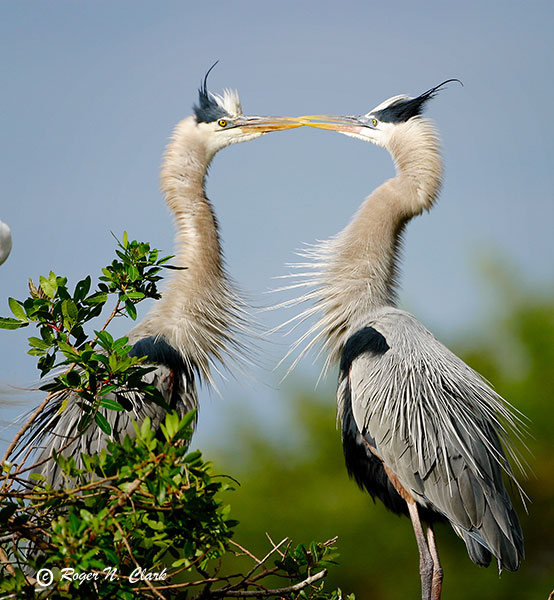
(275, 592)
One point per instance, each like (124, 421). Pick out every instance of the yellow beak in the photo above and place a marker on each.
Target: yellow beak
(266, 124)
(332, 122)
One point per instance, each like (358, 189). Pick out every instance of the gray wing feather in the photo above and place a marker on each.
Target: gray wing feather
(439, 427)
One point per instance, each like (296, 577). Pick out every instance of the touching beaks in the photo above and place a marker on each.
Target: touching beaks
(333, 122)
(267, 124)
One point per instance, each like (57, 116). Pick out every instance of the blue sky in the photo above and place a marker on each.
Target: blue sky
(92, 90)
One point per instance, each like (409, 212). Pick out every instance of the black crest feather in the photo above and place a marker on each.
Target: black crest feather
(207, 110)
(405, 109)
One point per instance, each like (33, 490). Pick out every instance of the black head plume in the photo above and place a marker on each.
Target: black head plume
(208, 110)
(406, 108)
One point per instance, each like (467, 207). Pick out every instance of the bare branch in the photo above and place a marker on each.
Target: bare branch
(125, 541)
(4, 559)
(275, 592)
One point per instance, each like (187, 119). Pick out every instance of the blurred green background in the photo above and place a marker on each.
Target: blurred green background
(299, 486)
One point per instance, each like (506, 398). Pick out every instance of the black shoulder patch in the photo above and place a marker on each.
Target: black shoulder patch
(159, 352)
(365, 340)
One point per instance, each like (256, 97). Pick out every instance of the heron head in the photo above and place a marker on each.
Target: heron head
(378, 125)
(222, 122)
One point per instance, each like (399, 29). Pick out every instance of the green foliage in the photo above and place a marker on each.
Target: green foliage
(98, 366)
(146, 508)
(146, 494)
(145, 517)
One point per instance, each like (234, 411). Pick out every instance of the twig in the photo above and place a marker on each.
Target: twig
(131, 489)
(247, 552)
(150, 586)
(260, 563)
(188, 584)
(282, 554)
(275, 592)
(4, 559)
(266, 573)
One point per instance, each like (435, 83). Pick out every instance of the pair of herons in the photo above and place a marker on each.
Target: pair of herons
(421, 430)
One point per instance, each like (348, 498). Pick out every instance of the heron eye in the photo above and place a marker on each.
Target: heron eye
(374, 122)
(222, 123)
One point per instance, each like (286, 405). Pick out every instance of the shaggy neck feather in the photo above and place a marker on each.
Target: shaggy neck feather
(356, 272)
(199, 307)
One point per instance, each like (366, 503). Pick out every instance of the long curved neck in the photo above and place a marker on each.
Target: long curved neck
(199, 308)
(415, 149)
(357, 270)
(368, 249)
(197, 245)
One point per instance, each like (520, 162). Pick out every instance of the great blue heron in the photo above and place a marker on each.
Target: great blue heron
(421, 430)
(199, 319)
(5, 242)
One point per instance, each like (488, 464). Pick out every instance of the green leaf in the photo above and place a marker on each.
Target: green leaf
(73, 379)
(107, 389)
(70, 313)
(180, 562)
(132, 272)
(145, 427)
(111, 404)
(125, 241)
(135, 295)
(97, 298)
(74, 522)
(84, 422)
(193, 456)
(38, 343)
(188, 418)
(7, 511)
(82, 288)
(102, 422)
(131, 310)
(69, 351)
(9, 323)
(17, 309)
(48, 287)
(120, 343)
(36, 352)
(105, 338)
(113, 362)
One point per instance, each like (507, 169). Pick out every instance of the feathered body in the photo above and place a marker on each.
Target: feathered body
(419, 427)
(200, 319)
(194, 325)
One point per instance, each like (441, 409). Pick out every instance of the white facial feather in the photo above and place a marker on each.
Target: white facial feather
(229, 101)
(389, 102)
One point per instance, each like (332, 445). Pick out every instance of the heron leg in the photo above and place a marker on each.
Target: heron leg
(426, 565)
(436, 586)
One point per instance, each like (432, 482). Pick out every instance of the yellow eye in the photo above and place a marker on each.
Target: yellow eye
(374, 122)
(222, 123)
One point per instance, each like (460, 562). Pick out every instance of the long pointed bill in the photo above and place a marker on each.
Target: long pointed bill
(266, 124)
(335, 123)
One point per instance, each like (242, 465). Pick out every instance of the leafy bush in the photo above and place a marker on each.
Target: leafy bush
(144, 518)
